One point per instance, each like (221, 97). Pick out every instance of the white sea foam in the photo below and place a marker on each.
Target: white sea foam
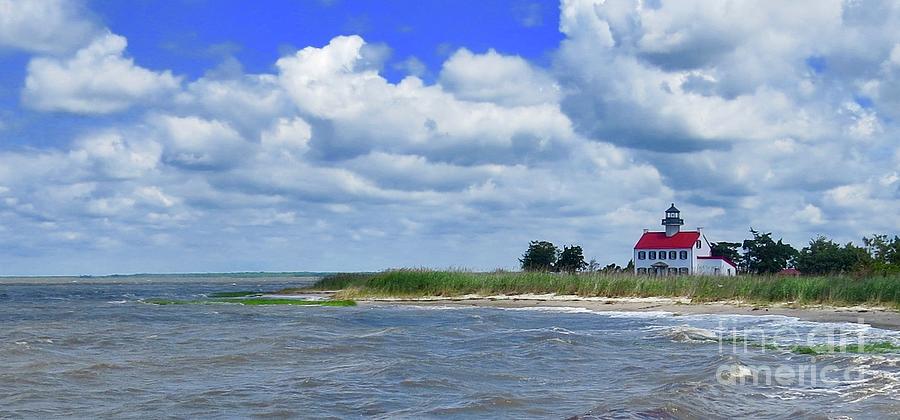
(555, 309)
(384, 331)
(636, 314)
(434, 307)
(554, 330)
(548, 309)
(740, 371)
(687, 334)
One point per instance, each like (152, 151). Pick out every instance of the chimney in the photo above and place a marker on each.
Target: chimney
(646, 230)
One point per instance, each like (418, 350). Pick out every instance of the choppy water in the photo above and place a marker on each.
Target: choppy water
(94, 350)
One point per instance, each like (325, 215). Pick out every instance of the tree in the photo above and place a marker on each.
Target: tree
(593, 265)
(824, 256)
(762, 255)
(571, 259)
(726, 249)
(884, 253)
(630, 267)
(541, 256)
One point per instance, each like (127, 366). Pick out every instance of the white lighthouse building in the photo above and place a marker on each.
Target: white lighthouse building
(677, 252)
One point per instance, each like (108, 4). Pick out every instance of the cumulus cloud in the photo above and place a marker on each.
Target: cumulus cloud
(199, 144)
(495, 78)
(747, 118)
(737, 105)
(43, 26)
(287, 136)
(98, 79)
(633, 81)
(109, 155)
(353, 111)
(249, 103)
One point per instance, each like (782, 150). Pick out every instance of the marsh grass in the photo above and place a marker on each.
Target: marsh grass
(338, 281)
(836, 290)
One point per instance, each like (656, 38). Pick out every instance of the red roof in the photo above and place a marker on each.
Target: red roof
(659, 240)
(731, 263)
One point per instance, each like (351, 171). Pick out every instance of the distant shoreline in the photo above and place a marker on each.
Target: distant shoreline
(236, 274)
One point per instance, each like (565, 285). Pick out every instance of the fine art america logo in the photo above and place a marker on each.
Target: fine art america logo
(820, 355)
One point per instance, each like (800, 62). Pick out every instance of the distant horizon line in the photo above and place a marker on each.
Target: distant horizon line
(186, 274)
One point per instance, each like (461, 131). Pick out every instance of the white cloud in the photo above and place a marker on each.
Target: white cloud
(248, 102)
(43, 26)
(412, 66)
(288, 136)
(809, 214)
(645, 77)
(742, 116)
(98, 79)
(491, 77)
(108, 154)
(359, 111)
(196, 143)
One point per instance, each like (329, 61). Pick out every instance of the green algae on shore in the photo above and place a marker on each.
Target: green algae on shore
(286, 301)
(172, 302)
(252, 302)
(235, 294)
(877, 347)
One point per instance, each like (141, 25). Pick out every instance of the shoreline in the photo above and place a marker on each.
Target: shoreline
(874, 316)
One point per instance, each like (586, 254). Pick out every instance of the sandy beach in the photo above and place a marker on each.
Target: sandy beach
(874, 316)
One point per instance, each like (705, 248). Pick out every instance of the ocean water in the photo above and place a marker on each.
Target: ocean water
(87, 348)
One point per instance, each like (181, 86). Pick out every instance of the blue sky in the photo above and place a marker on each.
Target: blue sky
(193, 135)
(192, 36)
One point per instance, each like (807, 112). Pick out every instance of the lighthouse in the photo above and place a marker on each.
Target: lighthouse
(673, 221)
(678, 253)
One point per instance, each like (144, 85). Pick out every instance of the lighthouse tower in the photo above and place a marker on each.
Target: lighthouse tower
(673, 221)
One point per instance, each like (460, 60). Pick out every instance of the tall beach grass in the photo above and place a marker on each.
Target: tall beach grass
(830, 290)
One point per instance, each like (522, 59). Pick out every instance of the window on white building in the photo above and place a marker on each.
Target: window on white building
(683, 255)
(642, 270)
(682, 270)
(672, 255)
(698, 244)
(642, 255)
(652, 255)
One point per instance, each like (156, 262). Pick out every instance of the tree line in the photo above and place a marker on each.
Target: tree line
(880, 254)
(544, 256)
(761, 254)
